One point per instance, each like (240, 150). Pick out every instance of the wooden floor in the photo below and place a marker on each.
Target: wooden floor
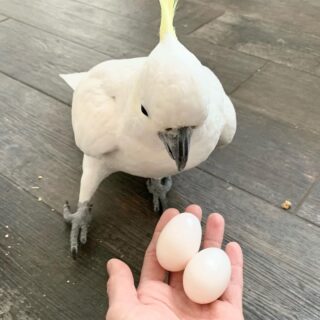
(267, 55)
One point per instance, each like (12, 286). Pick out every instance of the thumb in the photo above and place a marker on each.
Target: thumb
(120, 285)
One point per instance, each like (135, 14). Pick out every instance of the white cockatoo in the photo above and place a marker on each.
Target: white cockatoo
(151, 117)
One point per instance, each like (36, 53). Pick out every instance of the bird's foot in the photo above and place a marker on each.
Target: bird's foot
(159, 189)
(80, 222)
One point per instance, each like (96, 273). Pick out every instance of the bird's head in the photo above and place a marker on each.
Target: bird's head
(172, 94)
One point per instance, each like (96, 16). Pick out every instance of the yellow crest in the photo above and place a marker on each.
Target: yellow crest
(168, 8)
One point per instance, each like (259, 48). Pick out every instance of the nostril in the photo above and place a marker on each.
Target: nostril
(168, 129)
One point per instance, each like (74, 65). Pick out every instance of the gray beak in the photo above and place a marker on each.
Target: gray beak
(177, 143)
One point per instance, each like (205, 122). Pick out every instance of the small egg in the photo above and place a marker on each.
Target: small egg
(179, 241)
(207, 275)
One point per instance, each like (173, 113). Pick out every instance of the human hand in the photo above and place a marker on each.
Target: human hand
(156, 299)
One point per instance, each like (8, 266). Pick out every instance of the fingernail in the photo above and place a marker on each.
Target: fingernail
(109, 266)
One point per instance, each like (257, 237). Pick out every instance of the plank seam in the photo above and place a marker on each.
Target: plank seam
(4, 19)
(249, 77)
(307, 193)
(111, 12)
(205, 23)
(257, 196)
(14, 183)
(58, 36)
(34, 88)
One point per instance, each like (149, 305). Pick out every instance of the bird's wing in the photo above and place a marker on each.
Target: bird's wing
(230, 126)
(73, 79)
(98, 105)
(222, 103)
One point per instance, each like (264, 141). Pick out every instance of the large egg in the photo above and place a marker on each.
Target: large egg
(179, 241)
(207, 275)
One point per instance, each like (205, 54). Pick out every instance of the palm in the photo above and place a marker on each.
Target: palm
(172, 302)
(155, 299)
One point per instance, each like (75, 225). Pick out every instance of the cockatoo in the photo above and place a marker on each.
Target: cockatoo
(152, 117)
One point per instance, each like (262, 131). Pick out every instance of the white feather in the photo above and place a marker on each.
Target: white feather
(73, 79)
(175, 89)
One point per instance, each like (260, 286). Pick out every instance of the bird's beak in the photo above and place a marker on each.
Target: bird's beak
(177, 143)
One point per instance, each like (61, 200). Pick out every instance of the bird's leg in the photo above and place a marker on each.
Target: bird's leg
(159, 189)
(94, 171)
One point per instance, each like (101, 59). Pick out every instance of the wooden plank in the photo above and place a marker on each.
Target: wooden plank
(81, 23)
(310, 207)
(36, 58)
(142, 10)
(190, 15)
(295, 15)
(231, 67)
(279, 248)
(14, 305)
(268, 158)
(39, 279)
(263, 39)
(283, 94)
(54, 55)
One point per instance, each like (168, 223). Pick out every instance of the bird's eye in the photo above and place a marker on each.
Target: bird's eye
(144, 111)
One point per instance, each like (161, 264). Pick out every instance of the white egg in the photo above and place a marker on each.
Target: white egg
(179, 241)
(207, 275)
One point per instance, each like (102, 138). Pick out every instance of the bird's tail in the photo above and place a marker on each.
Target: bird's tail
(73, 79)
(168, 8)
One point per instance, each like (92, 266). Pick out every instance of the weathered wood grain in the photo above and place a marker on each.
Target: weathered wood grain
(263, 39)
(81, 23)
(295, 15)
(231, 67)
(283, 94)
(279, 248)
(190, 15)
(268, 158)
(37, 58)
(49, 55)
(310, 208)
(39, 279)
(145, 11)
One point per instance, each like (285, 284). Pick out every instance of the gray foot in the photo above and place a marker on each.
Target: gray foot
(159, 189)
(80, 222)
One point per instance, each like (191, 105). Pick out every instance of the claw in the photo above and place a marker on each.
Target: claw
(159, 189)
(156, 204)
(74, 253)
(80, 222)
(163, 203)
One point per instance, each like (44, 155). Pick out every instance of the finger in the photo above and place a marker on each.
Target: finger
(233, 294)
(151, 269)
(120, 285)
(195, 209)
(213, 236)
(175, 278)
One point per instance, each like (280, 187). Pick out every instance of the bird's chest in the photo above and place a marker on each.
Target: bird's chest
(147, 157)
